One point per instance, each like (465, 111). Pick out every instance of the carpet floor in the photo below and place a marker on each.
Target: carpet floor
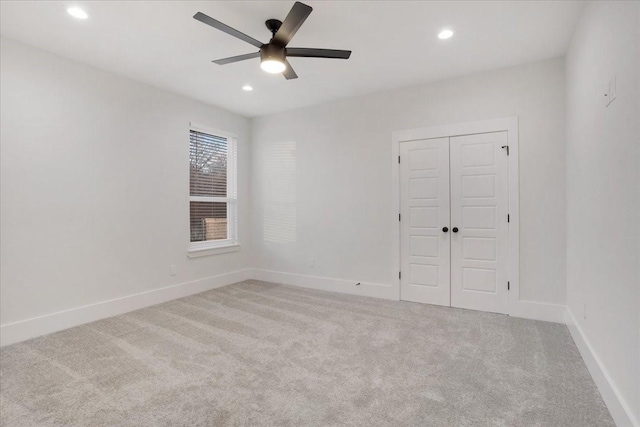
(262, 354)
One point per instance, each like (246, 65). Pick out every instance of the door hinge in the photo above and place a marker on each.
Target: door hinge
(508, 218)
(508, 286)
(507, 147)
(399, 217)
(399, 274)
(398, 159)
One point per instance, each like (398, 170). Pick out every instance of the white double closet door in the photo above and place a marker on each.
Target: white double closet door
(454, 225)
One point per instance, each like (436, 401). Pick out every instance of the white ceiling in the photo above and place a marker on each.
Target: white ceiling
(394, 43)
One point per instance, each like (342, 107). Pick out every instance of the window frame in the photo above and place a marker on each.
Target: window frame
(212, 247)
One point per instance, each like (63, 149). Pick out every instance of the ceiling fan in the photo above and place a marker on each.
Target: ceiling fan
(273, 55)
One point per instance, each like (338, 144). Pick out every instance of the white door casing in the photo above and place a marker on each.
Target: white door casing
(479, 209)
(424, 209)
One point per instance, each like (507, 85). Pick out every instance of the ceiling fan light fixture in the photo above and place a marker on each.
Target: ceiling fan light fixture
(273, 66)
(272, 59)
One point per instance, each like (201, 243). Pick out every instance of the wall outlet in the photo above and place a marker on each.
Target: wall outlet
(311, 262)
(172, 270)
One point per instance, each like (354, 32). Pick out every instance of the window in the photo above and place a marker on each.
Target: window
(212, 189)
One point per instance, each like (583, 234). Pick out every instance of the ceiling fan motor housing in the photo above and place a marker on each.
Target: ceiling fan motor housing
(271, 52)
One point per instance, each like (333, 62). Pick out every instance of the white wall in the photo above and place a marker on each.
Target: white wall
(94, 196)
(321, 180)
(603, 189)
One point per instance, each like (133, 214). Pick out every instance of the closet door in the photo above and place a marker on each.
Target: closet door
(424, 209)
(479, 227)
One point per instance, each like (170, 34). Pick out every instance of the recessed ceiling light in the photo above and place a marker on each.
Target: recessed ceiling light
(76, 12)
(247, 88)
(445, 34)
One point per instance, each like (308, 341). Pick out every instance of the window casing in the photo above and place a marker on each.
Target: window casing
(213, 197)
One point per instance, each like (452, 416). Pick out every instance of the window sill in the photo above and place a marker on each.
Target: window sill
(212, 250)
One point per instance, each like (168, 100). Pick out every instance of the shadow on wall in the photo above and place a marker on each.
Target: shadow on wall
(280, 220)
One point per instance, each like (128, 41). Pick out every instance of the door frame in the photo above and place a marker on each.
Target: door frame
(508, 124)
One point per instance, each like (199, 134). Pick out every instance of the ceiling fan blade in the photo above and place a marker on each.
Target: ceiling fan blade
(304, 52)
(238, 58)
(288, 73)
(296, 17)
(227, 29)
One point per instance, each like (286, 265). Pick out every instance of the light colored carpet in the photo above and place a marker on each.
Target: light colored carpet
(256, 353)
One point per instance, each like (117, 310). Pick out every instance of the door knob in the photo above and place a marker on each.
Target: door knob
(454, 229)
(445, 229)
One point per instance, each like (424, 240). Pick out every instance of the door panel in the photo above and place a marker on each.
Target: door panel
(479, 208)
(424, 208)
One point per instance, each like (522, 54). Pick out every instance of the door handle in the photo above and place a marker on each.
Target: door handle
(445, 229)
(454, 229)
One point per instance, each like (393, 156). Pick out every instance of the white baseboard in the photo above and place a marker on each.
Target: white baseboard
(537, 311)
(618, 407)
(367, 289)
(524, 309)
(24, 329)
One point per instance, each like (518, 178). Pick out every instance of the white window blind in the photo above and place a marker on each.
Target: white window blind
(212, 189)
